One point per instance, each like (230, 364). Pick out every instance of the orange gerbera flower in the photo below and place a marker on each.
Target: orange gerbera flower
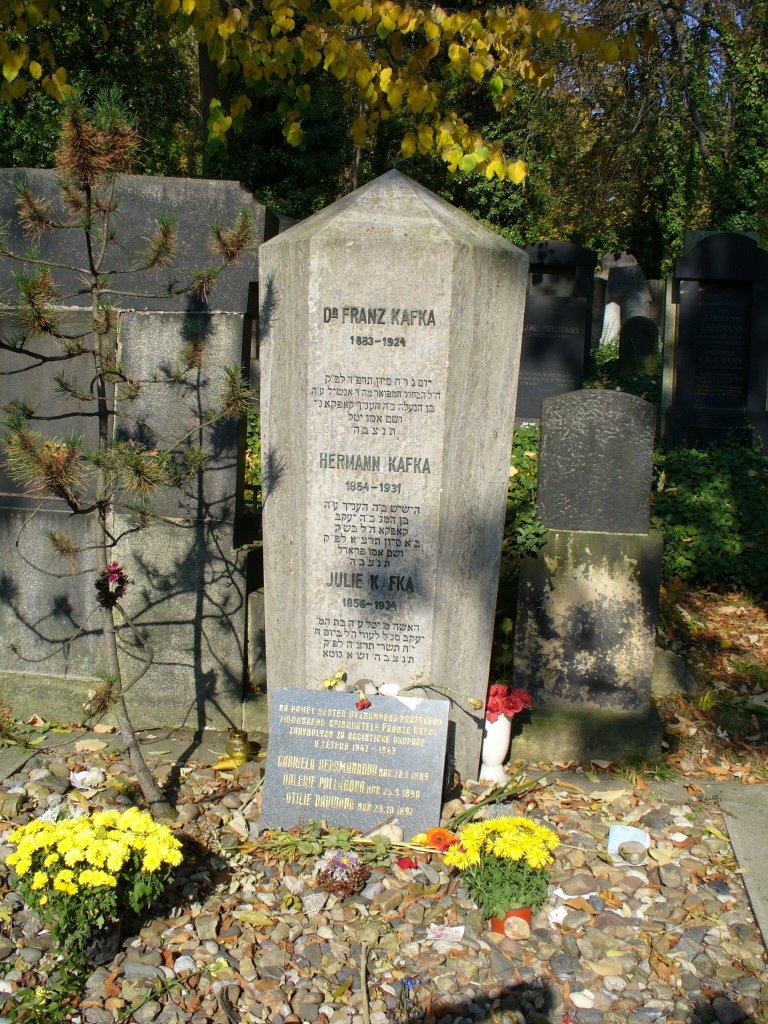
(440, 839)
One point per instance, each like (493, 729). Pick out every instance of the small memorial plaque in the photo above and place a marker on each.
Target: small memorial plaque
(329, 761)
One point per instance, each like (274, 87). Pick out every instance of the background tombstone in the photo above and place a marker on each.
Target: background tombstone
(386, 431)
(588, 601)
(716, 344)
(558, 324)
(191, 567)
(628, 313)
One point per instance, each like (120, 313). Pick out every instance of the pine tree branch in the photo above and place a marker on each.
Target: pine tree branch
(33, 261)
(38, 568)
(105, 220)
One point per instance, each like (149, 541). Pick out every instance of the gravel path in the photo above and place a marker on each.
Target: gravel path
(243, 940)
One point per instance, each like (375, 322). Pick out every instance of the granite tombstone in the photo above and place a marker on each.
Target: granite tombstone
(390, 331)
(595, 462)
(558, 324)
(587, 603)
(716, 344)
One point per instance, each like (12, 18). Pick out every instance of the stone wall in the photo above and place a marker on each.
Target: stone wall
(190, 568)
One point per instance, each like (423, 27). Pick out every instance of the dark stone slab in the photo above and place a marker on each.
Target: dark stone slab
(586, 621)
(638, 346)
(191, 602)
(195, 205)
(329, 761)
(616, 259)
(39, 613)
(554, 253)
(724, 256)
(715, 381)
(713, 344)
(187, 602)
(552, 354)
(565, 270)
(151, 346)
(595, 462)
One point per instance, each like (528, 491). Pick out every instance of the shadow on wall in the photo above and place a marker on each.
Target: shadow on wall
(184, 646)
(182, 650)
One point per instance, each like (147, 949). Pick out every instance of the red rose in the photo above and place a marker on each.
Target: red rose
(502, 702)
(362, 704)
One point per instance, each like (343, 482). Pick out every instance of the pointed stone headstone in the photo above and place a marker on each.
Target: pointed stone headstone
(391, 328)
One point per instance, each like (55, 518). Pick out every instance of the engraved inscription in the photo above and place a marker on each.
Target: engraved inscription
(375, 424)
(722, 345)
(361, 766)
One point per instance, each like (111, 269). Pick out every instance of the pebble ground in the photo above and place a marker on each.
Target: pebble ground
(242, 939)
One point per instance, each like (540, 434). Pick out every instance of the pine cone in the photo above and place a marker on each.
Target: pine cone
(350, 882)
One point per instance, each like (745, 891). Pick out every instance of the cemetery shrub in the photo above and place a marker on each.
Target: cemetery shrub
(712, 510)
(523, 532)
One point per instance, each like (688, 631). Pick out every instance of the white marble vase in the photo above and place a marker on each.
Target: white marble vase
(496, 740)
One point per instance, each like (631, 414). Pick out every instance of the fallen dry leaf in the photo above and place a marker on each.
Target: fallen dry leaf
(90, 745)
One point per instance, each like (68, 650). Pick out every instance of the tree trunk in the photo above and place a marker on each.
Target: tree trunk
(678, 32)
(158, 805)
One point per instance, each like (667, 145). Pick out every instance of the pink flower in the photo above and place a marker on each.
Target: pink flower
(362, 704)
(502, 701)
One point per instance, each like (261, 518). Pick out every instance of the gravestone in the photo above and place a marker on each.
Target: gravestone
(638, 346)
(628, 313)
(595, 463)
(557, 329)
(391, 326)
(588, 600)
(716, 344)
(354, 767)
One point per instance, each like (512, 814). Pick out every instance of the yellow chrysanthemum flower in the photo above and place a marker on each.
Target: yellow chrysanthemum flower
(65, 882)
(39, 880)
(92, 879)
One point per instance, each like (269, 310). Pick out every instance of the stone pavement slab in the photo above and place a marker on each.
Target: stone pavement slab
(12, 758)
(746, 816)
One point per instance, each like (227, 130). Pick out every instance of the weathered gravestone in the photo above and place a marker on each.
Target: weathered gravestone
(391, 326)
(558, 324)
(716, 344)
(189, 598)
(587, 604)
(354, 767)
(628, 313)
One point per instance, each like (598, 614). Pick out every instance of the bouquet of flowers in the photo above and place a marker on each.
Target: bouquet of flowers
(504, 701)
(503, 863)
(81, 874)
